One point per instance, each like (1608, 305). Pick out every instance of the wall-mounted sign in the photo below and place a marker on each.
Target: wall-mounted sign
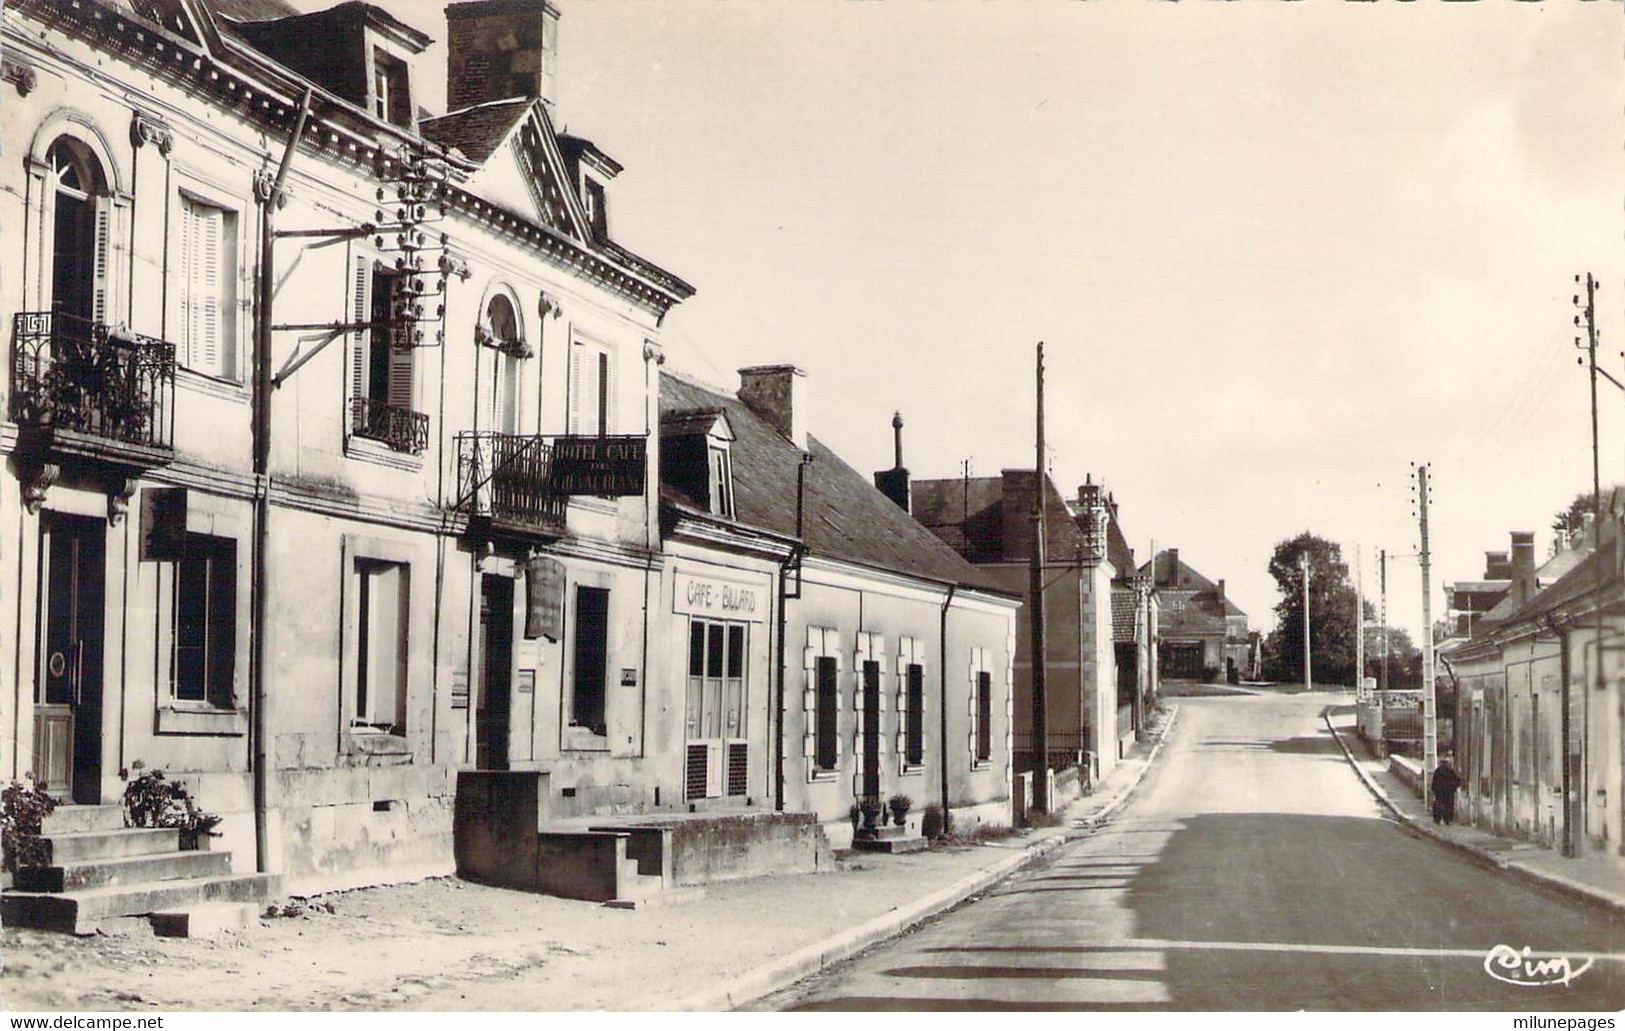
(629, 677)
(544, 598)
(720, 599)
(605, 466)
(459, 689)
(527, 682)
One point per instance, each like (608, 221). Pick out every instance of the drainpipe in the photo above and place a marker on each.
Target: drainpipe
(942, 710)
(797, 552)
(259, 691)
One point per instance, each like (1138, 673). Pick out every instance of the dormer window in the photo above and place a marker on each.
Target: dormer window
(592, 197)
(391, 92)
(721, 478)
(695, 459)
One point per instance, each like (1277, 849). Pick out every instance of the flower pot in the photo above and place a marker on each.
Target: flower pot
(194, 841)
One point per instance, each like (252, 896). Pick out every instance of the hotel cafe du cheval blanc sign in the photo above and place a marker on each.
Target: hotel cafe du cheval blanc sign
(719, 599)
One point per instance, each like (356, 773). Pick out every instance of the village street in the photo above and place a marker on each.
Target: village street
(1252, 870)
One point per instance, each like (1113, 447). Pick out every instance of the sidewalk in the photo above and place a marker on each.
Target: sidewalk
(1595, 879)
(445, 944)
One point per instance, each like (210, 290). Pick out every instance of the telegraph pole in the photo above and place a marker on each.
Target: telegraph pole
(1359, 622)
(1040, 720)
(1589, 313)
(1382, 574)
(1430, 717)
(1308, 666)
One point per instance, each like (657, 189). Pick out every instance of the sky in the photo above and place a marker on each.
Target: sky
(1276, 252)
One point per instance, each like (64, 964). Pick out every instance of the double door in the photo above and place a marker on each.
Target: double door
(68, 676)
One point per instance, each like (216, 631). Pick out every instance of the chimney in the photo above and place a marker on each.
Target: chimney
(893, 482)
(500, 50)
(1497, 566)
(1173, 567)
(778, 393)
(1221, 592)
(1523, 565)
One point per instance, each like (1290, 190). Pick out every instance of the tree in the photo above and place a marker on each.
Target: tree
(1331, 612)
(1571, 519)
(1404, 658)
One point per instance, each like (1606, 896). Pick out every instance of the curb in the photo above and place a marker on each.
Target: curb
(1094, 821)
(781, 973)
(1553, 882)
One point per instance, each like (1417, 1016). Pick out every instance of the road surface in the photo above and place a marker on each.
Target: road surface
(1250, 871)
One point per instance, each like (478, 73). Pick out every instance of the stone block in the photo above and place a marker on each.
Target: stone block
(205, 921)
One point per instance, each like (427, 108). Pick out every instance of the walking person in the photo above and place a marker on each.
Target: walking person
(1446, 782)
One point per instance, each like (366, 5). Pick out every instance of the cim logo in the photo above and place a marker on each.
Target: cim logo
(1524, 967)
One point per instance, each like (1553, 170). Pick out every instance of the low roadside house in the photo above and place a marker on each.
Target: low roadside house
(1202, 634)
(891, 658)
(1560, 624)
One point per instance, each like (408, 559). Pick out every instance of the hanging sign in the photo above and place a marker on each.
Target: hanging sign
(603, 466)
(544, 598)
(720, 599)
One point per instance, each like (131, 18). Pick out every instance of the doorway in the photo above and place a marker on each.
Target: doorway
(68, 675)
(493, 716)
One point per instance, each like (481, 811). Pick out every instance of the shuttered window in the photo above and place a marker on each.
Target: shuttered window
(203, 643)
(207, 280)
(592, 389)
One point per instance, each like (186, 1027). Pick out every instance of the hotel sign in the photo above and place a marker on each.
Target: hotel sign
(719, 599)
(604, 466)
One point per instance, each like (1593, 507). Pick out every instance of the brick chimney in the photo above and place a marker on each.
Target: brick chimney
(499, 50)
(1221, 592)
(893, 482)
(1497, 566)
(778, 393)
(1173, 567)
(1523, 565)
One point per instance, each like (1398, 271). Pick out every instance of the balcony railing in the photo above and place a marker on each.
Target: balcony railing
(395, 426)
(72, 374)
(507, 478)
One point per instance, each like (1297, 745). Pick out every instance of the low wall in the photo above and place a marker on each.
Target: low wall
(495, 824)
(734, 846)
(576, 865)
(1408, 771)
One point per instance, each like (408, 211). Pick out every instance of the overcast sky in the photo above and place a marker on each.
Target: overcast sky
(1277, 252)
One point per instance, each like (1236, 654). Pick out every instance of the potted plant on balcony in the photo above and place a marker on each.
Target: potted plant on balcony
(899, 805)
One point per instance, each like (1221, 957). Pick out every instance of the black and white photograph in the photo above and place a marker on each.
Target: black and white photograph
(877, 506)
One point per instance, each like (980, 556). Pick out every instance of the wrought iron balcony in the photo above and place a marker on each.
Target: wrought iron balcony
(80, 388)
(395, 426)
(506, 479)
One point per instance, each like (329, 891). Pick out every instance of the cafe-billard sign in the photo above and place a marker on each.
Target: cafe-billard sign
(721, 599)
(605, 466)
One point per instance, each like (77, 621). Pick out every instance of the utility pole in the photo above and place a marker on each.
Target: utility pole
(1589, 313)
(1359, 622)
(1308, 665)
(1382, 574)
(1040, 720)
(1430, 717)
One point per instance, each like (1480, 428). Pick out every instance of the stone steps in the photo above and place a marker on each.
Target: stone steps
(73, 819)
(122, 871)
(77, 846)
(78, 912)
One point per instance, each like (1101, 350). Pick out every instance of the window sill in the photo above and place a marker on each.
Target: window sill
(360, 741)
(822, 776)
(201, 719)
(377, 452)
(913, 771)
(582, 739)
(981, 764)
(218, 386)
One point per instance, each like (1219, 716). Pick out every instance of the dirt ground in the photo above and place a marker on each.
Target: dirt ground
(446, 944)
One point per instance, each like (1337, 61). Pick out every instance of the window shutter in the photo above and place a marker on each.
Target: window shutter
(187, 262)
(360, 308)
(400, 376)
(102, 260)
(210, 227)
(606, 393)
(577, 386)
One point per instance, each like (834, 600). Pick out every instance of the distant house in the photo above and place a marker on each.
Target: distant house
(988, 520)
(1201, 633)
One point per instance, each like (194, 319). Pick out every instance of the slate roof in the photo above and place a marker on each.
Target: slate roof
(844, 516)
(252, 10)
(477, 130)
(942, 506)
(1188, 578)
(1123, 613)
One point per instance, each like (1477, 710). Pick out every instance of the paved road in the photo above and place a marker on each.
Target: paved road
(1251, 871)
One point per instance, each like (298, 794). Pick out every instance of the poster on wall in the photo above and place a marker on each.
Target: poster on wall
(544, 598)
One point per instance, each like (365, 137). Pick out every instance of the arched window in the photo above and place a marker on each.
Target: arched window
(501, 389)
(80, 231)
